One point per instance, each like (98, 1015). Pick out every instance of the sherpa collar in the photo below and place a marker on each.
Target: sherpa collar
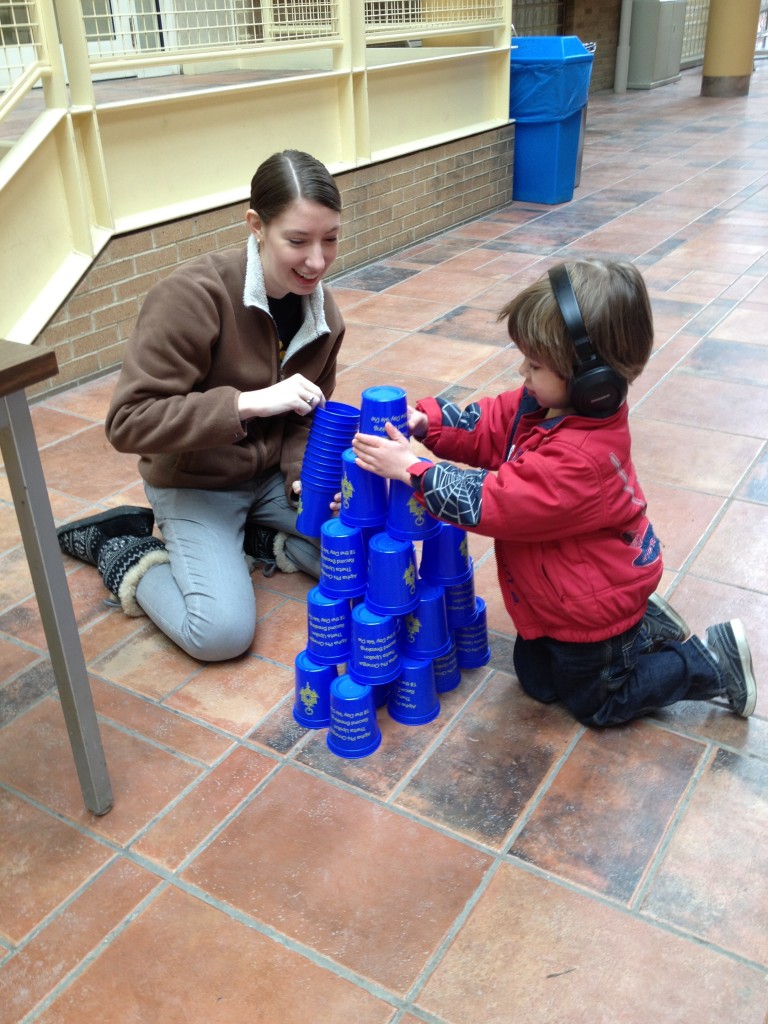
(313, 305)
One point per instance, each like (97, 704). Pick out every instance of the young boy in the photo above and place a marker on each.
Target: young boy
(578, 561)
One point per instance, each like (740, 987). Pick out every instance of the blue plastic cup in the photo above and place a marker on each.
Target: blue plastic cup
(354, 730)
(381, 405)
(312, 706)
(392, 575)
(381, 693)
(321, 469)
(424, 631)
(329, 628)
(447, 670)
(363, 494)
(343, 560)
(445, 557)
(406, 518)
(460, 601)
(472, 647)
(337, 415)
(413, 698)
(374, 655)
(314, 507)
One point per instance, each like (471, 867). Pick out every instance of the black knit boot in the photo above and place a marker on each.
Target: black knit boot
(259, 544)
(123, 562)
(267, 545)
(84, 538)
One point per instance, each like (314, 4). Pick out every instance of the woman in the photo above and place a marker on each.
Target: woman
(230, 355)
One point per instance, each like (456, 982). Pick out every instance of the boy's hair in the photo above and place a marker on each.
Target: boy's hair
(290, 175)
(616, 310)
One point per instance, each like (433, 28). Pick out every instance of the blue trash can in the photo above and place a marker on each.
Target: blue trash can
(548, 91)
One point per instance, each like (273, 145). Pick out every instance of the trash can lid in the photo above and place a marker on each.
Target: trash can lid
(548, 49)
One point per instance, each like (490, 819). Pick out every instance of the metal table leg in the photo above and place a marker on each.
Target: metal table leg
(38, 532)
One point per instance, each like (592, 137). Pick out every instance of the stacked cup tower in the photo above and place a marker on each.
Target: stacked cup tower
(382, 630)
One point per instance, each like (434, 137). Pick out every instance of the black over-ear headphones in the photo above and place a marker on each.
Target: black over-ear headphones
(596, 388)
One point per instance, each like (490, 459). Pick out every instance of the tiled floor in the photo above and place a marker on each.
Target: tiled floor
(501, 865)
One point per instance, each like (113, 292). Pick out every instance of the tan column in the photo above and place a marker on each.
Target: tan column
(729, 51)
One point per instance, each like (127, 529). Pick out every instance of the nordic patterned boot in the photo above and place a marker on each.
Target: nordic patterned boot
(122, 564)
(83, 538)
(727, 642)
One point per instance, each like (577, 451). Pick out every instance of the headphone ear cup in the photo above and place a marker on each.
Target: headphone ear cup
(598, 391)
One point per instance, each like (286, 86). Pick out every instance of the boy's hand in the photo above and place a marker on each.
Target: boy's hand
(385, 456)
(335, 503)
(418, 423)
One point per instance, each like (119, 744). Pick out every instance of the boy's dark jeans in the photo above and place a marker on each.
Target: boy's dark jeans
(614, 681)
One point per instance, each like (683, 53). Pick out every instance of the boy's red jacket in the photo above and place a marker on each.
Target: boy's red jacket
(576, 554)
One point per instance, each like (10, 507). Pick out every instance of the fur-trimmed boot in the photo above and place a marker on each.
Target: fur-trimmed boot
(266, 545)
(84, 538)
(122, 562)
(283, 562)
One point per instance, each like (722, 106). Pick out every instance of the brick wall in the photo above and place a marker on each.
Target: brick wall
(387, 207)
(597, 21)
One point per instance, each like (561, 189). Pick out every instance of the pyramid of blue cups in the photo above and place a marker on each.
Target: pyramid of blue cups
(383, 627)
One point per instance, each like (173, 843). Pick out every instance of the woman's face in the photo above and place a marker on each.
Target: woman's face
(297, 247)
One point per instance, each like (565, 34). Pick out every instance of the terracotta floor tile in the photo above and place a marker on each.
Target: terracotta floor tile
(745, 562)
(235, 695)
(90, 400)
(711, 879)
(108, 470)
(365, 340)
(345, 885)
(673, 453)
(19, 694)
(755, 487)
(282, 633)
(448, 358)
(486, 771)
(182, 962)
(70, 936)
(113, 704)
(440, 285)
(87, 593)
(701, 402)
(147, 662)
(196, 815)
(600, 822)
(14, 657)
(468, 323)
(397, 311)
(680, 518)
(42, 862)
(533, 951)
(144, 777)
(110, 630)
(15, 580)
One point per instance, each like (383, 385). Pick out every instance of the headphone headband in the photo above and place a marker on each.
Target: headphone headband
(570, 310)
(596, 388)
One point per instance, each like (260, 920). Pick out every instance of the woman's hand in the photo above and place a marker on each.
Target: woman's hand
(388, 456)
(295, 394)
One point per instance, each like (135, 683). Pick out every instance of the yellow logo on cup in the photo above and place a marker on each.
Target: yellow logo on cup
(409, 577)
(308, 698)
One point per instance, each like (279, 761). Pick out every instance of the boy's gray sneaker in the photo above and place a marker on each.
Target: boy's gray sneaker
(663, 622)
(728, 642)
